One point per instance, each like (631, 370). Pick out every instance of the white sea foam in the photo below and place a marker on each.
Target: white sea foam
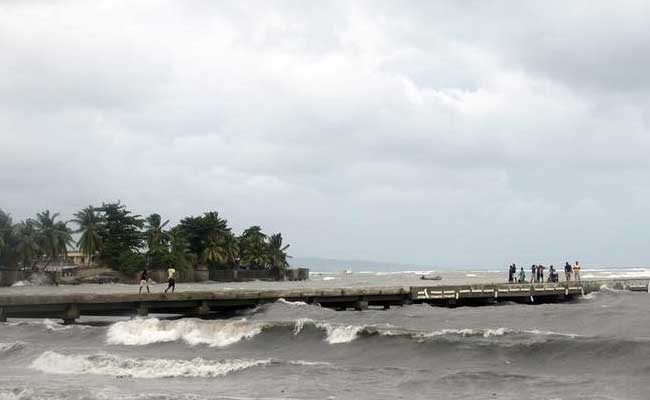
(106, 364)
(309, 363)
(300, 324)
(22, 283)
(340, 333)
(193, 331)
(54, 326)
(329, 278)
(552, 333)
(471, 275)
(292, 303)
(471, 332)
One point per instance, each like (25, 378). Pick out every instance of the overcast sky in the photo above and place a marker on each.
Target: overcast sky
(438, 133)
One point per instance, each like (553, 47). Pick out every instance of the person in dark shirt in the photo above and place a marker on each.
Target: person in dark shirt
(552, 274)
(540, 273)
(567, 271)
(144, 281)
(533, 273)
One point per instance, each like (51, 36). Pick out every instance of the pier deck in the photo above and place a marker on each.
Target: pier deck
(69, 307)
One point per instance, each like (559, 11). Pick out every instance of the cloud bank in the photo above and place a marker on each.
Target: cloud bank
(435, 133)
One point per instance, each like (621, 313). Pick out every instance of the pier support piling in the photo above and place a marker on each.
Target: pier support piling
(142, 310)
(203, 310)
(70, 314)
(361, 304)
(3, 315)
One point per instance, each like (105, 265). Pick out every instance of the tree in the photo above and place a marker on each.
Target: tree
(90, 226)
(253, 247)
(6, 226)
(155, 234)
(180, 255)
(53, 236)
(26, 247)
(157, 241)
(7, 238)
(122, 237)
(277, 252)
(205, 235)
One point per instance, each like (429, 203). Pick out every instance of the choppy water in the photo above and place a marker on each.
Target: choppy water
(597, 347)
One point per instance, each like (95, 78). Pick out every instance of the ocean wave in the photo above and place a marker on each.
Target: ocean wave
(292, 303)
(224, 333)
(106, 364)
(337, 334)
(49, 325)
(11, 347)
(139, 332)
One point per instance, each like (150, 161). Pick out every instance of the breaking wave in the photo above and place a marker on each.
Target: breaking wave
(340, 333)
(11, 347)
(193, 331)
(106, 364)
(141, 332)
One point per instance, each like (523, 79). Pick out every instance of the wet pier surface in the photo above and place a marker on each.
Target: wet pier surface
(69, 305)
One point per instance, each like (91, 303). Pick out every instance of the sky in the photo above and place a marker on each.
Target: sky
(436, 133)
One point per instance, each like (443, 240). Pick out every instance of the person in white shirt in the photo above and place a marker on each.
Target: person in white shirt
(576, 272)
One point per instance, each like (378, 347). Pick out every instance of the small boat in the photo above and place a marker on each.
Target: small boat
(431, 278)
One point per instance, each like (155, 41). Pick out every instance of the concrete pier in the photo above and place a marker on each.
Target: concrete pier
(69, 307)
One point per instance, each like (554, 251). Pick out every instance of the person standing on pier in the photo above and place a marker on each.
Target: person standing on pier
(144, 281)
(171, 279)
(540, 273)
(576, 272)
(552, 274)
(567, 271)
(533, 273)
(522, 276)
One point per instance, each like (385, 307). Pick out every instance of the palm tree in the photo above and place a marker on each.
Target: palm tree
(181, 255)
(6, 227)
(155, 233)
(231, 248)
(54, 236)
(214, 251)
(253, 247)
(27, 246)
(277, 253)
(90, 227)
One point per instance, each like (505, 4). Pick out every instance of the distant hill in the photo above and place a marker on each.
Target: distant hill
(316, 264)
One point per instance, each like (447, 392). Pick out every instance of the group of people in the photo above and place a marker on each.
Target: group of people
(171, 280)
(537, 273)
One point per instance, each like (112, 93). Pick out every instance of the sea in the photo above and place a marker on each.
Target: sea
(594, 347)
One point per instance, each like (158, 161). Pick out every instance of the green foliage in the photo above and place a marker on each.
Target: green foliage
(121, 235)
(253, 247)
(130, 263)
(128, 243)
(26, 246)
(53, 236)
(157, 239)
(199, 231)
(278, 252)
(90, 226)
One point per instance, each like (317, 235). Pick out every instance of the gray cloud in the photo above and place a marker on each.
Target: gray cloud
(437, 133)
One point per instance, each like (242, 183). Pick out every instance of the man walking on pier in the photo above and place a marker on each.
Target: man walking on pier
(171, 279)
